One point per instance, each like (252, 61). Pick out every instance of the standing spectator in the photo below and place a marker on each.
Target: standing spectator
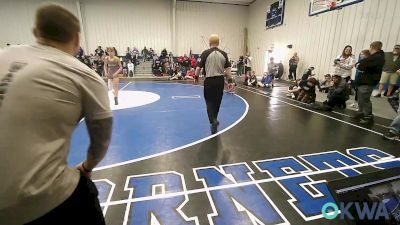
(247, 64)
(216, 64)
(186, 63)
(363, 54)
(240, 66)
(344, 64)
(80, 55)
(145, 53)
(392, 64)
(193, 61)
(371, 68)
(293, 62)
(99, 52)
(164, 53)
(280, 69)
(128, 55)
(394, 128)
(272, 68)
(47, 82)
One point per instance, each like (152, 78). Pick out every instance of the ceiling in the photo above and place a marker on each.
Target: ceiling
(233, 2)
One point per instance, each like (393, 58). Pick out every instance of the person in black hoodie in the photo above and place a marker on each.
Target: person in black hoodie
(370, 73)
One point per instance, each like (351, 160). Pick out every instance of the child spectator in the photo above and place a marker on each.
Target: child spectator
(267, 80)
(307, 93)
(252, 79)
(324, 85)
(131, 69)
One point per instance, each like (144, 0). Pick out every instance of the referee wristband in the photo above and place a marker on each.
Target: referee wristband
(84, 169)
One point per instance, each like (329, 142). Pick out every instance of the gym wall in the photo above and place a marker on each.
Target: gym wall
(123, 23)
(319, 39)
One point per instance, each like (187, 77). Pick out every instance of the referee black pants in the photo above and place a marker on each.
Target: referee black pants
(213, 91)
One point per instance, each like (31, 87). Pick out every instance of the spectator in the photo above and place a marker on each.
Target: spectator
(363, 54)
(293, 62)
(247, 64)
(343, 65)
(164, 53)
(394, 129)
(193, 62)
(272, 67)
(240, 66)
(371, 68)
(325, 84)
(190, 74)
(98, 64)
(307, 92)
(252, 79)
(128, 55)
(99, 52)
(307, 73)
(267, 80)
(131, 69)
(338, 94)
(392, 64)
(145, 53)
(280, 70)
(47, 82)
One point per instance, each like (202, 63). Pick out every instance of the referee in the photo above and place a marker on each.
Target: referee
(216, 64)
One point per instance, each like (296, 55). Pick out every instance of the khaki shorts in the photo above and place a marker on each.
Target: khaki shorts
(392, 77)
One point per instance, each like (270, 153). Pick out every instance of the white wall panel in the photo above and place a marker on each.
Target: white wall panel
(17, 19)
(196, 21)
(122, 23)
(319, 39)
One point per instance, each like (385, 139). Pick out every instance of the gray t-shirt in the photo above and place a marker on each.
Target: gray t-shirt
(214, 61)
(44, 94)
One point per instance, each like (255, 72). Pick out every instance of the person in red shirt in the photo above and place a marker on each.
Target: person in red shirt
(193, 62)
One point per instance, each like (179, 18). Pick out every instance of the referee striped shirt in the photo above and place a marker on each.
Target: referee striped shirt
(214, 61)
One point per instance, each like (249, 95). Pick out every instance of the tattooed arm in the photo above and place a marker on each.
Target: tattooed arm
(100, 136)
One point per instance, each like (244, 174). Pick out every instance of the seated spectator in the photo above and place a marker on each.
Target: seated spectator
(124, 68)
(131, 69)
(294, 90)
(307, 73)
(252, 80)
(324, 85)
(190, 74)
(338, 94)
(307, 92)
(267, 80)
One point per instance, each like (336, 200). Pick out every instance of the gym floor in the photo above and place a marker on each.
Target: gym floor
(268, 163)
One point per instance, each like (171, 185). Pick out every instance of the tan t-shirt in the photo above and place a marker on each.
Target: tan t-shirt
(46, 92)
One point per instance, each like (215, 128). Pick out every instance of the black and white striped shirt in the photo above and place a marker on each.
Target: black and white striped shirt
(214, 61)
